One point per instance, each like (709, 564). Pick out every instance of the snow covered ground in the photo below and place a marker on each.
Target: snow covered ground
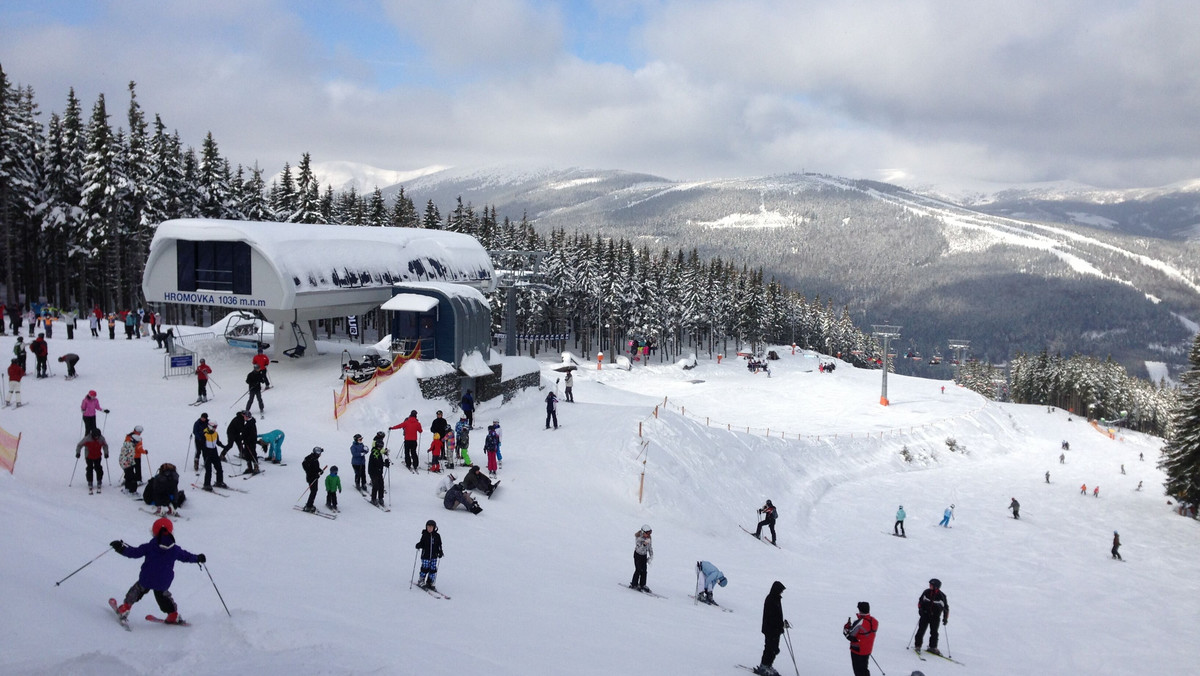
(534, 578)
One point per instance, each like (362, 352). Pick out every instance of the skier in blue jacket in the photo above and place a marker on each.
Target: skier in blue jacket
(158, 568)
(358, 461)
(898, 527)
(707, 577)
(946, 516)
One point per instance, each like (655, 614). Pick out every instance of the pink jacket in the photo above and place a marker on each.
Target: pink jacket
(90, 406)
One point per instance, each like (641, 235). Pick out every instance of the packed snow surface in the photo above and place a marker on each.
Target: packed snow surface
(535, 578)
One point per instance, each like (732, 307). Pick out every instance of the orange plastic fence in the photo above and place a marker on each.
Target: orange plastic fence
(352, 390)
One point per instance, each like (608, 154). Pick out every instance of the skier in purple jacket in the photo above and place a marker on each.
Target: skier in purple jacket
(158, 569)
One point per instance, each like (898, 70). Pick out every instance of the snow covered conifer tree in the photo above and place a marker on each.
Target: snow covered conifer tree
(1181, 454)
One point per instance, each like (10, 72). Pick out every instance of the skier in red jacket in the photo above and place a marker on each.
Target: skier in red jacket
(412, 430)
(861, 634)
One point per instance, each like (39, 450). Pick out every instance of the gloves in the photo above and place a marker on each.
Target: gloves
(117, 546)
(106, 411)
(945, 620)
(106, 456)
(76, 455)
(387, 463)
(200, 558)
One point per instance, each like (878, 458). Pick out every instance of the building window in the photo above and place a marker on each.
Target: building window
(213, 266)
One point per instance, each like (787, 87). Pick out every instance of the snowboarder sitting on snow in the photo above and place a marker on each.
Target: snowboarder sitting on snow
(707, 577)
(158, 569)
(476, 480)
(430, 545)
(162, 490)
(932, 606)
(769, 515)
(456, 496)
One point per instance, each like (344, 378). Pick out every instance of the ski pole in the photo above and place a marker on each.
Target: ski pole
(310, 484)
(788, 637)
(187, 450)
(214, 584)
(914, 635)
(104, 425)
(106, 550)
(108, 470)
(73, 471)
(881, 671)
(388, 468)
(947, 633)
(235, 401)
(413, 578)
(214, 382)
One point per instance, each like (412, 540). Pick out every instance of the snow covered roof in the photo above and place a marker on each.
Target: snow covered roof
(410, 302)
(324, 257)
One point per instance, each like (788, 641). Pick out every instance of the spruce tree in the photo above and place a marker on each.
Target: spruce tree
(1181, 454)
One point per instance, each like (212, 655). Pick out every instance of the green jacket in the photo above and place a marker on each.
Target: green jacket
(333, 484)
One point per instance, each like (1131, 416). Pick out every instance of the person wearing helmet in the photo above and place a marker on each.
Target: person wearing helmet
(90, 407)
(430, 545)
(412, 431)
(947, 516)
(358, 462)
(1016, 508)
(643, 554)
(312, 474)
(333, 486)
(97, 449)
(212, 458)
(898, 527)
(769, 515)
(707, 577)
(491, 448)
(932, 606)
(462, 439)
(1116, 545)
(158, 569)
(378, 461)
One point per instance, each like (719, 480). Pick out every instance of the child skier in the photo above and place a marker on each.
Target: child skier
(358, 462)
(158, 569)
(462, 439)
(333, 486)
(95, 444)
(430, 545)
(435, 453)
(491, 446)
(375, 464)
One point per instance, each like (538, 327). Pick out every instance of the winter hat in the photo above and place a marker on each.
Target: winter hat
(412, 413)
(935, 583)
(160, 524)
(380, 435)
(138, 429)
(333, 470)
(431, 522)
(91, 393)
(864, 607)
(358, 437)
(204, 416)
(318, 450)
(645, 528)
(769, 504)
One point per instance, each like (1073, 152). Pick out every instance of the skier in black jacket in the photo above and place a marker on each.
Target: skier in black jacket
(430, 545)
(312, 474)
(198, 429)
(255, 380)
(932, 606)
(773, 625)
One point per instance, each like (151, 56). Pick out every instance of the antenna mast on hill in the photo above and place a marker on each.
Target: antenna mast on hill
(526, 275)
(960, 347)
(887, 333)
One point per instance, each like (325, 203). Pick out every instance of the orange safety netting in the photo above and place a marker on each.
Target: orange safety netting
(352, 390)
(8, 449)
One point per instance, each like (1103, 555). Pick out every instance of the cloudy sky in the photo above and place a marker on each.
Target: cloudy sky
(1102, 92)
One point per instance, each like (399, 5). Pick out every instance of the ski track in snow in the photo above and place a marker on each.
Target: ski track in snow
(532, 575)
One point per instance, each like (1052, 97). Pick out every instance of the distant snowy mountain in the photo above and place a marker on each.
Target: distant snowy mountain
(363, 178)
(1023, 270)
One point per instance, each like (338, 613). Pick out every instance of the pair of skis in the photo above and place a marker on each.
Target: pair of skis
(149, 618)
(758, 537)
(315, 512)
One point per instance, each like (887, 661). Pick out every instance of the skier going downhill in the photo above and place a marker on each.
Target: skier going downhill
(1016, 508)
(158, 569)
(947, 516)
(898, 527)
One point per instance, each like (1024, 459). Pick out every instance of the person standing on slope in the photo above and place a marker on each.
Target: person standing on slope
(430, 545)
(569, 387)
(947, 516)
(468, 408)
(254, 381)
(643, 554)
(377, 460)
(261, 361)
(15, 373)
(199, 428)
(861, 634)
(932, 606)
(551, 409)
(312, 474)
(90, 407)
(96, 446)
(412, 429)
(1016, 508)
(202, 373)
(769, 515)
(358, 462)
(773, 625)
(898, 527)
(1116, 545)
(462, 439)
(158, 569)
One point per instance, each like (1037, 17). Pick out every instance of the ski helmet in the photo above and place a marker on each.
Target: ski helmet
(380, 434)
(318, 450)
(645, 528)
(358, 437)
(138, 429)
(431, 522)
(935, 583)
(160, 524)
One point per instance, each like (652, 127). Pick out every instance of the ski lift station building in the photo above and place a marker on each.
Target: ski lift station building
(294, 273)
